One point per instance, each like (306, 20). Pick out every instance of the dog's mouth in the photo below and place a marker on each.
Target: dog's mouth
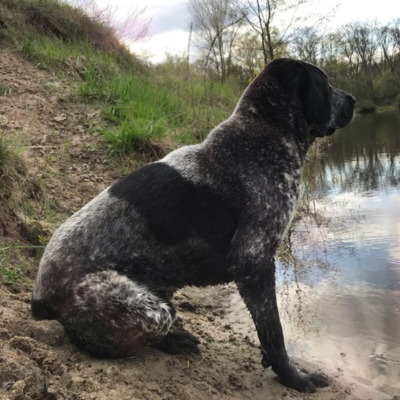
(344, 119)
(319, 131)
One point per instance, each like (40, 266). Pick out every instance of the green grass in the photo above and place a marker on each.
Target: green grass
(11, 164)
(75, 57)
(4, 89)
(141, 109)
(6, 152)
(137, 111)
(18, 262)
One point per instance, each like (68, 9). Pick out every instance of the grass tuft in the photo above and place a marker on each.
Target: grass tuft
(18, 262)
(6, 153)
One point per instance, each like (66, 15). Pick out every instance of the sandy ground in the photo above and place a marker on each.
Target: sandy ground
(37, 361)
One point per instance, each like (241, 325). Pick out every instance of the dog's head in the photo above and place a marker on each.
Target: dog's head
(324, 107)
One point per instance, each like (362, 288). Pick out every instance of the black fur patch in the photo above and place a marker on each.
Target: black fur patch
(175, 208)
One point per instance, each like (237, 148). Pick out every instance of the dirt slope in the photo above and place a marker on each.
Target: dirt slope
(37, 360)
(36, 108)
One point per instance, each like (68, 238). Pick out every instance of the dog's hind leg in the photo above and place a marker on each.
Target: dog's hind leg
(178, 339)
(110, 315)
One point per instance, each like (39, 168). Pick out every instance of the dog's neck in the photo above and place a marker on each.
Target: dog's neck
(247, 131)
(238, 144)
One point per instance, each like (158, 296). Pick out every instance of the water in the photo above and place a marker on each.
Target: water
(339, 271)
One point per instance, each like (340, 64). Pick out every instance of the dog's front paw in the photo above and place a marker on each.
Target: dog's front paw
(319, 380)
(177, 341)
(307, 383)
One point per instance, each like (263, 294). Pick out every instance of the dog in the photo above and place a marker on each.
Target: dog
(205, 214)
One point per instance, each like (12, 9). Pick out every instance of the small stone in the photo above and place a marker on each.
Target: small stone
(60, 118)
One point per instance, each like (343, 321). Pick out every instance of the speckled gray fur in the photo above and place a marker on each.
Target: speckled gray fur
(109, 271)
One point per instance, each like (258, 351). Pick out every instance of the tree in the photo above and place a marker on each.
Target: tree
(306, 44)
(216, 22)
(365, 43)
(260, 17)
(395, 39)
(349, 49)
(265, 16)
(384, 41)
(248, 55)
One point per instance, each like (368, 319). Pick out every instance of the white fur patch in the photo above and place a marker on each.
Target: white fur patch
(184, 160)
(101, 291)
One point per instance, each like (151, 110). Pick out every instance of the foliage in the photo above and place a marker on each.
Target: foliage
(142, 110)
(361, 57)
(248, 55)
(18, 262)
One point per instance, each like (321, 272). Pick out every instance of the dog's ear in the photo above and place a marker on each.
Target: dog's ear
(285, 72)
(315, 95)
(307, 82)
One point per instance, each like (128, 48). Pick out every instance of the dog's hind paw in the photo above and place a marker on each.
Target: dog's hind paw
(177, 341)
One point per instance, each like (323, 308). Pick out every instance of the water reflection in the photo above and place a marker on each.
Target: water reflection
(362, 158)
(345, 256)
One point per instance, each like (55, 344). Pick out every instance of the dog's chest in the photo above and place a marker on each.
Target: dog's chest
(289, 189)
(274, 200)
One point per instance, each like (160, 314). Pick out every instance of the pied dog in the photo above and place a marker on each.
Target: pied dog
(205, 214)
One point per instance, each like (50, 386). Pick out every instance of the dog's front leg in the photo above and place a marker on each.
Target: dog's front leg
(256, 285)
